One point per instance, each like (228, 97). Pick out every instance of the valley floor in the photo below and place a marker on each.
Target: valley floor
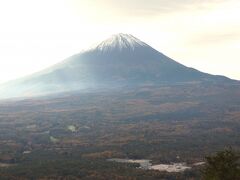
(73, 135)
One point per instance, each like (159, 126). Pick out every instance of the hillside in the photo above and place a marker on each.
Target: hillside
(122, 60)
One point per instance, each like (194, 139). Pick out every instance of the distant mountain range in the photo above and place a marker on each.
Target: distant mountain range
(122, 60)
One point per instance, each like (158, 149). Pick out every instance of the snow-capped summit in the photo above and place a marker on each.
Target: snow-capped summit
(119, 41)
(120, 61)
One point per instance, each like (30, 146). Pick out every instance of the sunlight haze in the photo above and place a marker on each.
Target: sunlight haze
(37, 34)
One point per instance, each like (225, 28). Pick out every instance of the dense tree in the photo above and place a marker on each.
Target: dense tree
(224, 165)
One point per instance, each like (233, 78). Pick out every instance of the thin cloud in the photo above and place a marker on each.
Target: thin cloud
(157, 7)
(216, 38)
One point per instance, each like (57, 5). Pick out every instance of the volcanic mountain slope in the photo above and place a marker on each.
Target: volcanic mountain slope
(121, 60)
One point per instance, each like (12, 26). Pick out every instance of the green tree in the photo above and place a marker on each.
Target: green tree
(223, 165)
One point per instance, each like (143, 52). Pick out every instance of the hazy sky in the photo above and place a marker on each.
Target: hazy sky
(204, 34)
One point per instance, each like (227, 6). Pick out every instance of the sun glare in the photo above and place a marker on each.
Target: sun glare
(37, 34)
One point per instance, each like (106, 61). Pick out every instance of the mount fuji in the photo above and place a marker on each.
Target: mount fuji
(122, 60)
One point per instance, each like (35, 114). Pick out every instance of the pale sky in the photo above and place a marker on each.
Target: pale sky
(34, 34)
